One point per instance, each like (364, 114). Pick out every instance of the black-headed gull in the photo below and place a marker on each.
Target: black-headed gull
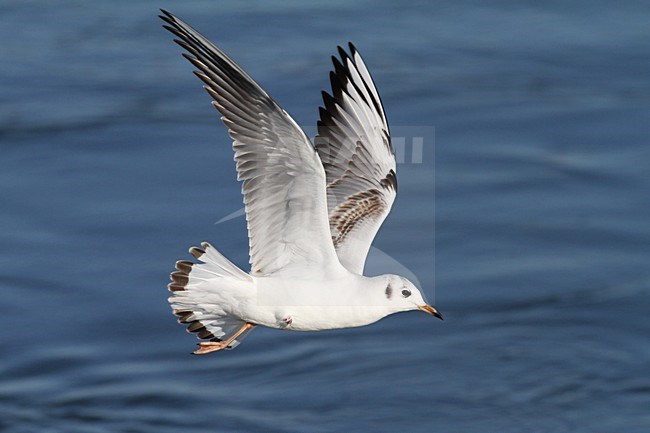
(312, 210)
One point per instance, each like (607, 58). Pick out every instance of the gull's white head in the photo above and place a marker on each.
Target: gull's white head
(401, 295)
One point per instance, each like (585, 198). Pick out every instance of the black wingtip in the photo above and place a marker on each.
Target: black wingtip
(328, 99)
(168, 21)
(167, 17)
(170, 28)
(353, 49)
(344, 55)
(340, 66)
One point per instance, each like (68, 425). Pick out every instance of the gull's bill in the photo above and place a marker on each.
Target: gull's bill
(431, 310)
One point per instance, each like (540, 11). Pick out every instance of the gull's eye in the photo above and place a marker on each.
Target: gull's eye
(406, 293)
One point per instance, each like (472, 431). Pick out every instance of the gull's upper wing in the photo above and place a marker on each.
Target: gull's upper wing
(283, 178)
(354, 145)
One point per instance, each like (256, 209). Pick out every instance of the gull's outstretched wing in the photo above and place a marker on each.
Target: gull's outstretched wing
(283, 179)
(354, 145)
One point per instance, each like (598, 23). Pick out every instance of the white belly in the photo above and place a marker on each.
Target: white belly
(312, 318)
(310, 305)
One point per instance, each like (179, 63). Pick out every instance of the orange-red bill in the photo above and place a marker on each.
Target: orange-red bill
(431, 310)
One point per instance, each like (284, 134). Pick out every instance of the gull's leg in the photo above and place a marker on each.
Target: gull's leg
(213, 346)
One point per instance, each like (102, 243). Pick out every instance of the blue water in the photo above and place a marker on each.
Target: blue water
(114, 163)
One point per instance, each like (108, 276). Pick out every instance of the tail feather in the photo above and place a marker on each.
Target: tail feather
(195, 296)
(220, 265)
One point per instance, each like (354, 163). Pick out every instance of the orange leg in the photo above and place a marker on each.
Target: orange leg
(213, 346)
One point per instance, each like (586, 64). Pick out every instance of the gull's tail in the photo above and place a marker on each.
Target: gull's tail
(202, 291)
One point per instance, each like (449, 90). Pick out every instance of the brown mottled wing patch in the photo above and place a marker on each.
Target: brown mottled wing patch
(356, 210)
(354, 146)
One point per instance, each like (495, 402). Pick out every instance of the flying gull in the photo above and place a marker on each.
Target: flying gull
(312, 210)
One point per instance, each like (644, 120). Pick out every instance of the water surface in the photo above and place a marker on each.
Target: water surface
(114, 163)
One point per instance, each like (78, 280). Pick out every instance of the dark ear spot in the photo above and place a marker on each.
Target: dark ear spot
(406, 293)
(389, 291)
